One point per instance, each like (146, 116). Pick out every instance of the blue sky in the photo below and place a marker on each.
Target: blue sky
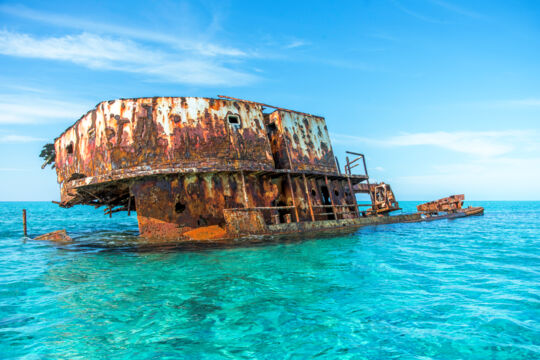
(442, 96)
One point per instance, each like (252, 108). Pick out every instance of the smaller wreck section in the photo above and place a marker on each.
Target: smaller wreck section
(448, 204)
(448, 207)
(215, 169)
(383, 200)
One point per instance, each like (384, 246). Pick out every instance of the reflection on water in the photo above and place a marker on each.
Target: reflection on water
(467, 288)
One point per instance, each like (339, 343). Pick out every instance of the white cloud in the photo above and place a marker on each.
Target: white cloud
(18, 109)
(416, 14)
(457, 9)
(492, 157)
(97, 52)
(478, 143)
(475, 143)
(198, 46)
(19, 139)
(85, 49)
(295, 44)
(13, 170)
(528, 102)
(483, 178)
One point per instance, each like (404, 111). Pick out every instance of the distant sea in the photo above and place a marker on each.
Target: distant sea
(451, 289)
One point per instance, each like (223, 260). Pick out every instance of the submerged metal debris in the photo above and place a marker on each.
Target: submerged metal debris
(213, 169)
(57, 236)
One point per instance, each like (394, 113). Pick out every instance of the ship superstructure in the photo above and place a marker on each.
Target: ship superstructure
(202, 168)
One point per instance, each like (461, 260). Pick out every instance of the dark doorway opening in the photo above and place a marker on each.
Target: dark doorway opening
(327, 201)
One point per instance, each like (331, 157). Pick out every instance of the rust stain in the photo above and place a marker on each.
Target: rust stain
(207, 169)
(447, 204)
(212, 232)
(56, 236)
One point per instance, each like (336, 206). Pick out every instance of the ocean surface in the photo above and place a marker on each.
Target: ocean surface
(451, 289)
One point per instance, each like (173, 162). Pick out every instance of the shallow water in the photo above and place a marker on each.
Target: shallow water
(452, 289)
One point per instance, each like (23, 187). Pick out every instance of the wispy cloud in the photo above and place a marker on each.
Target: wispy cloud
(192, 44)
(457, 9)
(295, 44)
(382, 36)
(527, 102)
(19, 139)
(13, 170)
(417, 15)
(98, 52)
(478, 143)
(480, 177)
(26, 109)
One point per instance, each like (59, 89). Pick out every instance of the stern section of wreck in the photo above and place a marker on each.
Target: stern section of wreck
(202, 168)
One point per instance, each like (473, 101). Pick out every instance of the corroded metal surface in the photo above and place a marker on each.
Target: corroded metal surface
(447, 204)
(57, 236)
(134, 137)
(300, 142)
(197, 169)
(384, 200)
(195, 200)
(171, 206)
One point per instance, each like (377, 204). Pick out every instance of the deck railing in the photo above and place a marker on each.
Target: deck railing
(275, 217)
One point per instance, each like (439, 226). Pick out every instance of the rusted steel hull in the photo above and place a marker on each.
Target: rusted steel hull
(202, 169)
(239, 204)
(308, 228)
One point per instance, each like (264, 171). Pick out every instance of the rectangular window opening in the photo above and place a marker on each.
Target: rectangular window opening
(233, 119)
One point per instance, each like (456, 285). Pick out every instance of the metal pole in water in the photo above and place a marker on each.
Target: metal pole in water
(24, 221)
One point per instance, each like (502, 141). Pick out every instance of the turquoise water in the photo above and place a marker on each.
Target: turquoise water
(453, 289)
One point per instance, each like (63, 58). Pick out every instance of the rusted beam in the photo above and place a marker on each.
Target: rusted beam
(365, 166)
(308, 198)
(371, 195)
(292, 197)
(288, 153)
(24, 222)
(260, 208)
(109, 211)
(265, 105)
(353, 196)
(337, 165)
(337, 206)
(329, 187)
(246, 200)
(92, 194)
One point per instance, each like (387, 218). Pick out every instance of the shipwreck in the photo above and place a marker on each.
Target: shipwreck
(198, 169)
